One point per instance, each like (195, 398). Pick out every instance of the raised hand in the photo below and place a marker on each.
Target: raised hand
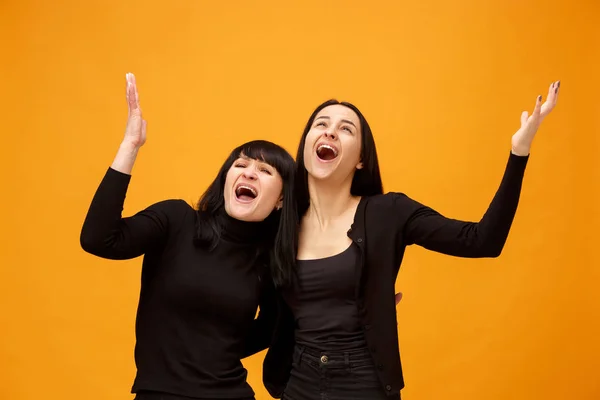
(523, 138)
(135, 132)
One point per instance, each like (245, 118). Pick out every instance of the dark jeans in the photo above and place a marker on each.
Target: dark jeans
(146, 395)
(338, 375)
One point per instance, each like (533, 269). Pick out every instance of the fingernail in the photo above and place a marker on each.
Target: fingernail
(540, 97)
(556, 90)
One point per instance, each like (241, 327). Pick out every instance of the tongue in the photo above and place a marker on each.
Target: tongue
(326, 154)
(245, 197)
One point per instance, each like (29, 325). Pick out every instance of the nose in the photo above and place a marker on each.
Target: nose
(250, 174)
(328, 134)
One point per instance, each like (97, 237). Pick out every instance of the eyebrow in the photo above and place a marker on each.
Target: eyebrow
(344, 120)
(246, 158)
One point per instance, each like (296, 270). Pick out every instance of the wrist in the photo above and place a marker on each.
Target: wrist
(129, 147)
(521, 151)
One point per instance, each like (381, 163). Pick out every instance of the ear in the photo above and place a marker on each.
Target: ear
(279, 204)
(359, 165)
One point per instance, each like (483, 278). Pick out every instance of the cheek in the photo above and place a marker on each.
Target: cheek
(272, 192)
(352, 149)
(228, 183)
(309, 143)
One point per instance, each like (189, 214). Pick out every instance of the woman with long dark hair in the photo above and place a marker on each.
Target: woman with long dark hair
(205, 269)
(337, 338)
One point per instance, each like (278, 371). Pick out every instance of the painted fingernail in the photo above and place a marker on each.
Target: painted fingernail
(558, 83)
(556, 90)
(540, 97)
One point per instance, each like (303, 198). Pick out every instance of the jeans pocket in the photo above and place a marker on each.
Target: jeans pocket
(364, 374)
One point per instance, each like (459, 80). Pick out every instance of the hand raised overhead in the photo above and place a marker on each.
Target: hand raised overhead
(135, 131)
(523, 138)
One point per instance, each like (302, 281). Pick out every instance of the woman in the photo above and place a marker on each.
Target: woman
(338, 337)
(204, 271)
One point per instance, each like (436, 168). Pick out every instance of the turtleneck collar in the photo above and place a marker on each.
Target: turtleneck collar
(234, 230)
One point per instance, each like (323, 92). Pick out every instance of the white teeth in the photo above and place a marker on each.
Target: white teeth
(247, 187)
(326, 146)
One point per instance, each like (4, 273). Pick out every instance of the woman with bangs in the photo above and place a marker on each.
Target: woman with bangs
(205, 271)
(337, 337)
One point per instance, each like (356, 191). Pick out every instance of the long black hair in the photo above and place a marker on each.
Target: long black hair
(281, 248)
(366, 181)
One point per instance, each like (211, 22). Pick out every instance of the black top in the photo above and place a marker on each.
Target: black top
(196, 307)
(323, 302)
(384, 225)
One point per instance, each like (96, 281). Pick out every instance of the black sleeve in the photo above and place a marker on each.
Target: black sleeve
(486, 238)
(263, 326)
(105, 233)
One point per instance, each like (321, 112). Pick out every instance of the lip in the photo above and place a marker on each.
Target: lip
(333, 146)
(248, 185)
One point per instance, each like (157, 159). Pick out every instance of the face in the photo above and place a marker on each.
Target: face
(333, 144)
(253, 189)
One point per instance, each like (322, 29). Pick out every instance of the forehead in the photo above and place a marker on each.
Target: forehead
(242, 156)
(260, 161)
(337, 112)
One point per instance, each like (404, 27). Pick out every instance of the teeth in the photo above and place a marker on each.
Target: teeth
(326, 146)
(247, 187)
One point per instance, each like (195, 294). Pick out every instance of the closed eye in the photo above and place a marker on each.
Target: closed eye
(240, 165)
(266, 171)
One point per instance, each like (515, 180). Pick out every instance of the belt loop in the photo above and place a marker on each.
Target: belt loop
(300, 356)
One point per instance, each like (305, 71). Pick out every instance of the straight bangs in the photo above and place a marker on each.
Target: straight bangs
(271, 154)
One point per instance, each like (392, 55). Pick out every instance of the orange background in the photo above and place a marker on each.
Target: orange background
(442, 83)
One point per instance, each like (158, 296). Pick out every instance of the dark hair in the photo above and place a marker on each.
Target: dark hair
(366, 181)
(280, 247)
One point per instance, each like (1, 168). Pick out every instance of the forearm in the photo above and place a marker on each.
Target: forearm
(495, 225)
(486, 238)
(103, 218)
(125, 157)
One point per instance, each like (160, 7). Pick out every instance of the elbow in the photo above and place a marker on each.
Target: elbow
(86, 244)
(495, 253)
(491, 250)
(90, 243)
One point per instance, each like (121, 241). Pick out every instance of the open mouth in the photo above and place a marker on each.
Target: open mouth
(245, 193)
(326, 152)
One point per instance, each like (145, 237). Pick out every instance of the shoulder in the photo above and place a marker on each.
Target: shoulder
(174, 210)
(391, 201)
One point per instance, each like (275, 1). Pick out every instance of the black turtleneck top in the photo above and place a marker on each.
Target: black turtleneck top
(196, 307)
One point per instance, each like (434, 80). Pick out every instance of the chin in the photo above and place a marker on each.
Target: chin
(322, 171)
(240, 214)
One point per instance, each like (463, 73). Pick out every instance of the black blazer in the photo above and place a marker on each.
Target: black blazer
(383, 226)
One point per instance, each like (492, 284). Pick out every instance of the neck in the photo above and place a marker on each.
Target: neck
(235, 230)
(328, 201)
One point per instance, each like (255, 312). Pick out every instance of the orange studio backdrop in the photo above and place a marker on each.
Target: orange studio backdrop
(442, 83)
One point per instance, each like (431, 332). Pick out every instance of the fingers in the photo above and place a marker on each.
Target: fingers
(553, 93)
(538, 107)
(524, 116)
(551, 100)
(132, 96)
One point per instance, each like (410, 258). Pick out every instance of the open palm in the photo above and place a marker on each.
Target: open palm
(523, 138)
(135, 131)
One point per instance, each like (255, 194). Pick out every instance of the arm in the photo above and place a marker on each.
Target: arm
(105, 233)
(487, 237)
(261, 332)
